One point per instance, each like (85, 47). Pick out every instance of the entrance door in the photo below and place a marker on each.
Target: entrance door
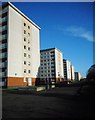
(29, 82)
(24, 79)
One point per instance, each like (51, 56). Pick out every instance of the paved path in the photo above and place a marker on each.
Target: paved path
(55, 103)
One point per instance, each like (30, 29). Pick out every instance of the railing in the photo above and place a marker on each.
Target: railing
(2, 28)
(3, 11)
(3, 55)
(4, 19)
(2, 37)
(2, 74)
(3, 64)
(2, 46)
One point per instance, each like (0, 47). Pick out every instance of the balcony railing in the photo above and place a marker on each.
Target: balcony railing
(3, 55)
(2, 46)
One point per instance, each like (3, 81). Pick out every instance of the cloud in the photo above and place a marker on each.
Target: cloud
(79, 32)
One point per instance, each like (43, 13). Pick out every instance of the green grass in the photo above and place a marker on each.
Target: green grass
(12, 88)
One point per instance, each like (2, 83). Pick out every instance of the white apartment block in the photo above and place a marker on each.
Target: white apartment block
(77, 76)
(72, 73)
(19, 48)
(51, 65)
(67, 69)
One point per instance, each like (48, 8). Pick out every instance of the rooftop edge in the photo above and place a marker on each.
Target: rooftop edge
(9, 3)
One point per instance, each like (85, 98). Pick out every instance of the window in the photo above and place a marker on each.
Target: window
(4, 23)
(52, 52)
(24, 70)
(24, 62)
(29, 71)
(24, 24)
(28, 56)
(28, 34)
(29, 63)
(48, 56)
(52, 71)
(52, 62)
(28, 41)
(4, 19)
(53, 74)
(24, 47)
(52, 59)
(52, 55)
(24, 39)
(24, 31)
(52, 66)
(29, 48)
(28, 27)
(41, 67)
(24, 54)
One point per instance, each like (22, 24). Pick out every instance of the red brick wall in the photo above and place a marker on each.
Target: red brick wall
(18, 81)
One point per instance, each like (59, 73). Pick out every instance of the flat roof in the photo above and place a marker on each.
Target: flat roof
(9, 3)
(50, 49)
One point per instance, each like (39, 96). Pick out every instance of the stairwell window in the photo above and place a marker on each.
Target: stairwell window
(24, 39)
(28, 41)
(29, 71)
(24, 54)
(24, 62)
(24, 31)
(24, 47)
(28, 56)
(28, 34)
(29, 48)
(28, 27)
(29, 63)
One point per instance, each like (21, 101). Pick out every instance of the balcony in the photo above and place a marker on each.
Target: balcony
(3, 55)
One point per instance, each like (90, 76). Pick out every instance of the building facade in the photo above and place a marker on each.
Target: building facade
(77, 76)
(67, 69)
(72, 73)
(19, 48)
(51, 69)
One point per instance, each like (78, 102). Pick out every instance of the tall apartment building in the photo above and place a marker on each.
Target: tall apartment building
(19, 48)
(67, 69)
(72, 73)
(77, 76)
(51, 68)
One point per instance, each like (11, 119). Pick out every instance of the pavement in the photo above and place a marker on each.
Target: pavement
(57, 103)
